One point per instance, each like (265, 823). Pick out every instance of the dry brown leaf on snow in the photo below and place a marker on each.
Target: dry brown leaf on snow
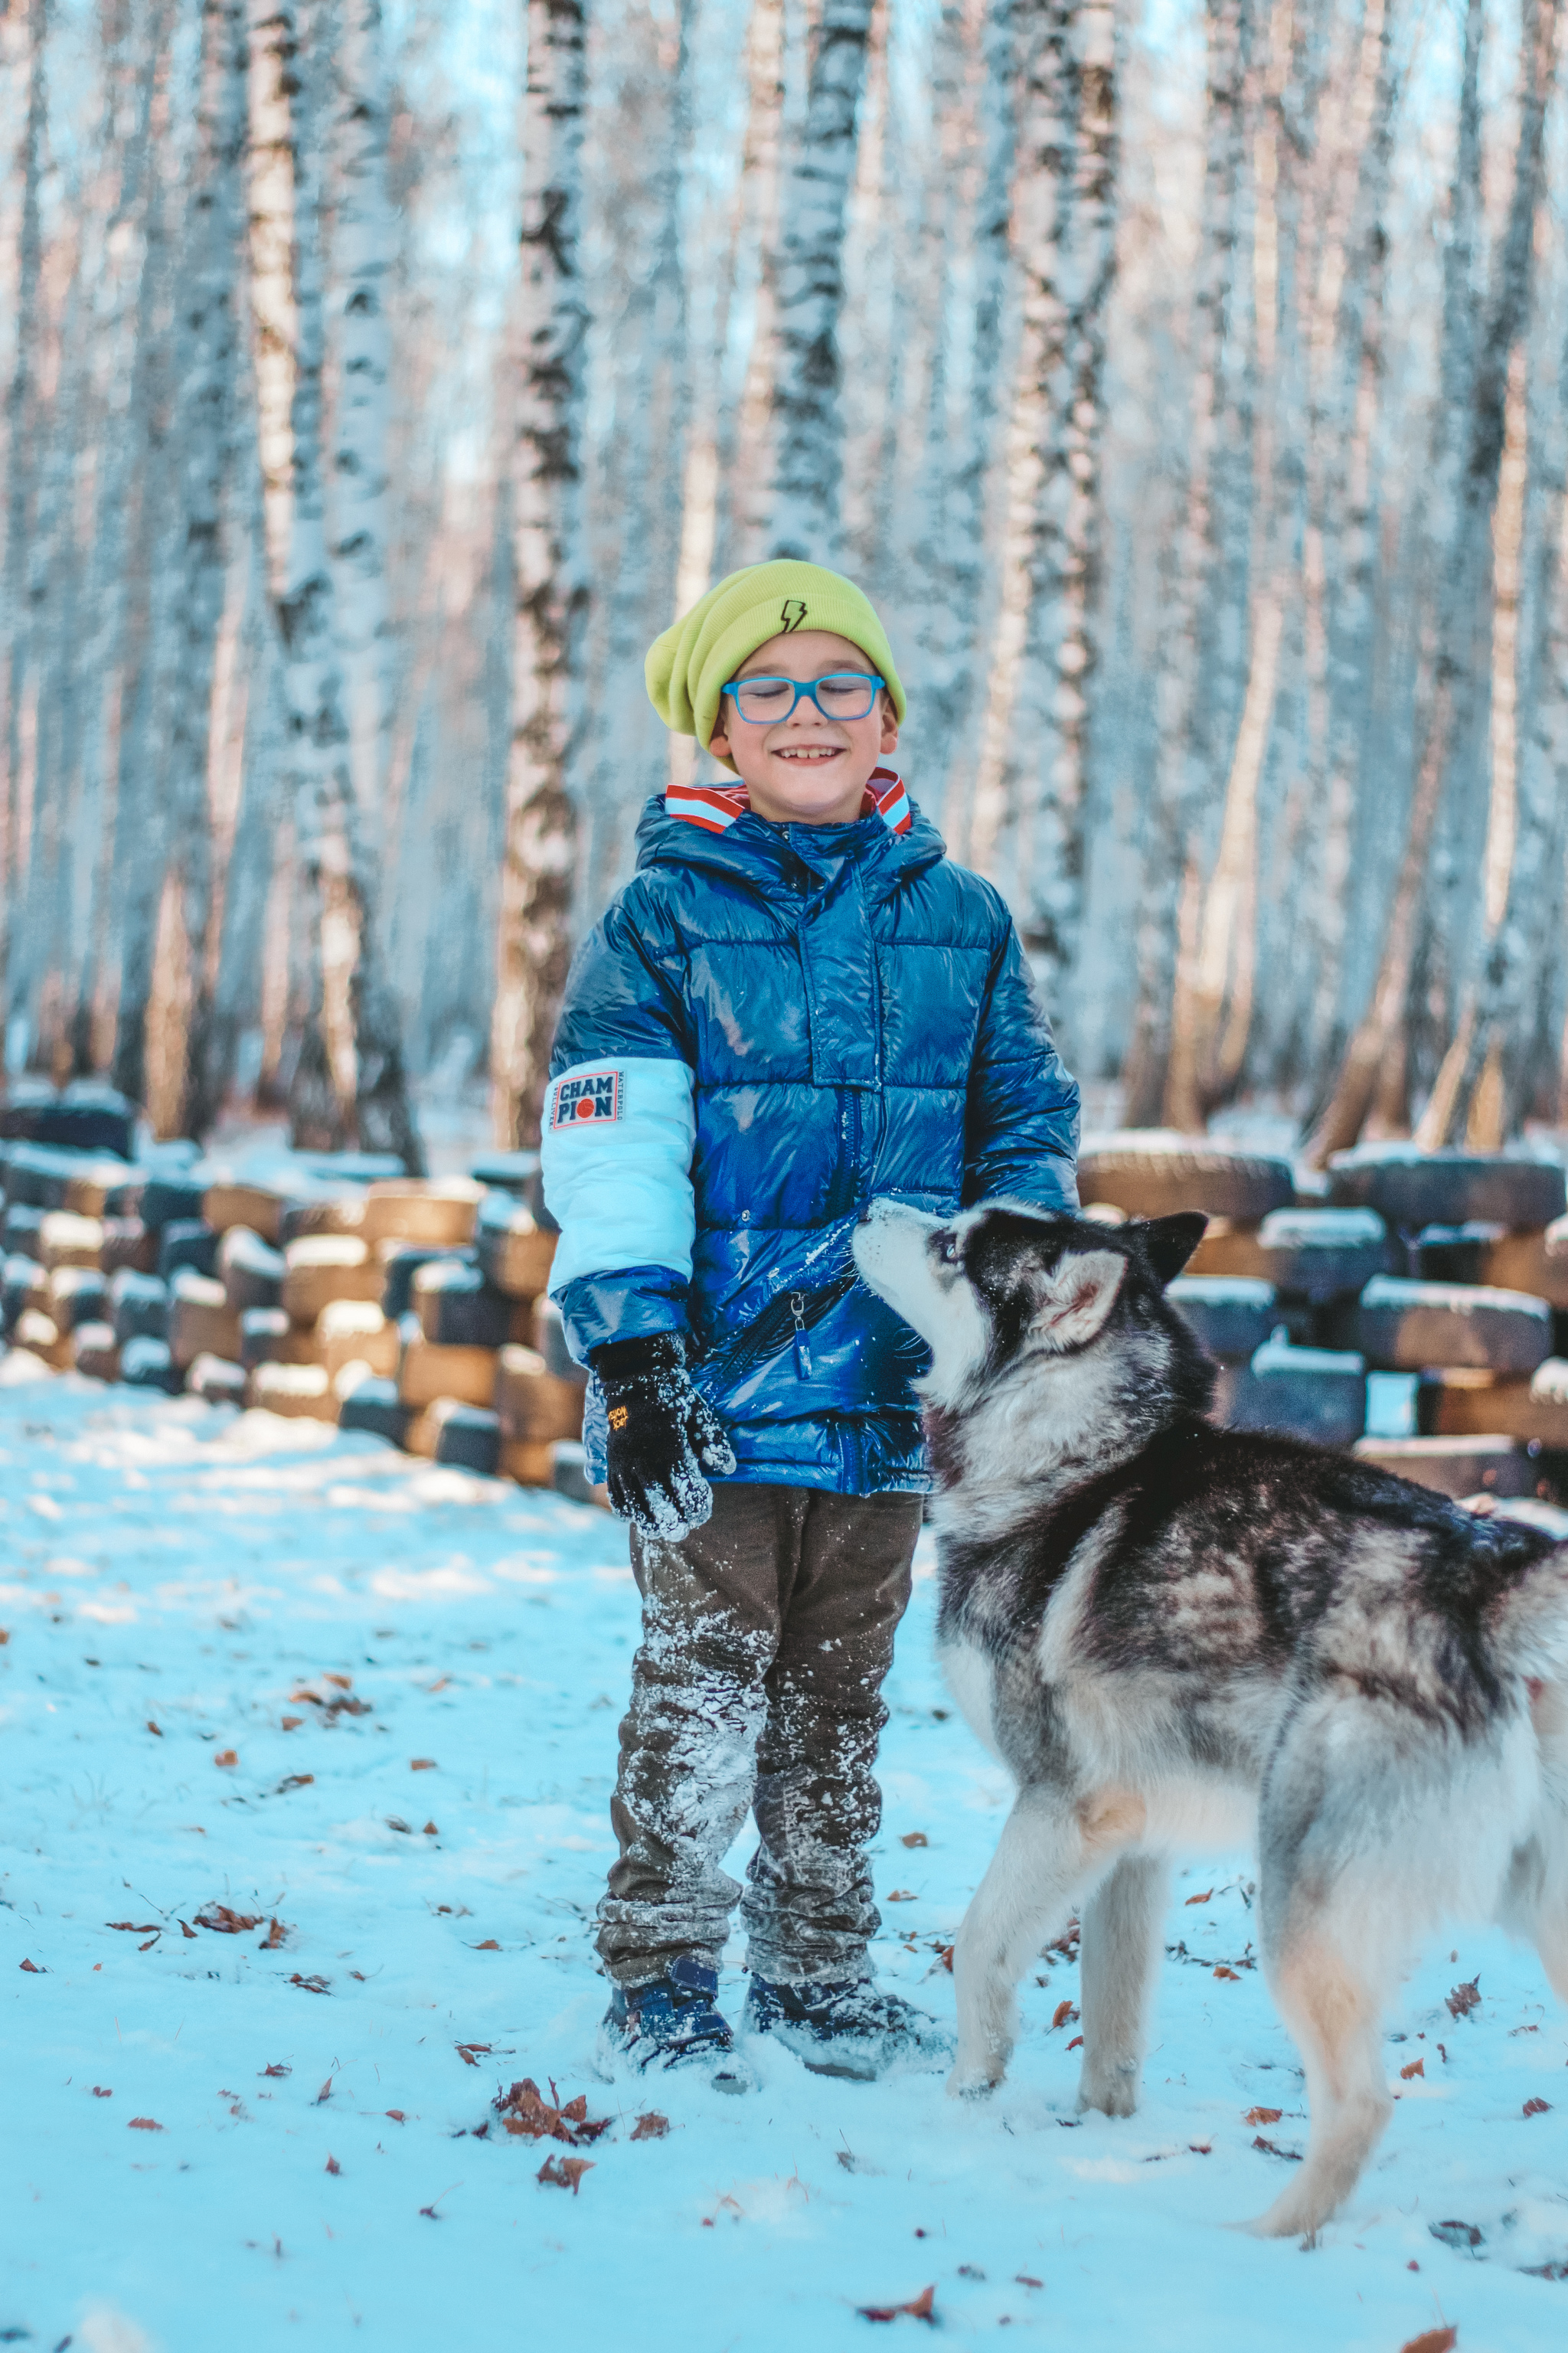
(1272, 2148)
(469, 2052)
(1076, 2042)
(651, 2126)
(332, 2165)
(944, 1954)
(430, 1831)
(1064, 2011)
(1416, 2067)
(226, 1757)
(1537, 2107)
(225, 1923)
(903, 1895)
(397, 2116)
(277, 1935)
(155, 1727)
(187, 1930)
(324, 2095)
(143, 2123)
(292, 1723)
(422, 1764)
(311, 1984)
(294, 1781)
(914, 1837)
(33, 1969)
(344, 1682)
(918, 2307)
(1432, 2340)
(564, 2172)
(1204, 1898)
(102, 2092)
(1222, 1972)
(1262, 2116)
(136, 1928)
(1464, 1997)
(525, 2111)
(487, 1946)
(279, 2070)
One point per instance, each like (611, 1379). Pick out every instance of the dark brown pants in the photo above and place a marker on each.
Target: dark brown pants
(766, 1635)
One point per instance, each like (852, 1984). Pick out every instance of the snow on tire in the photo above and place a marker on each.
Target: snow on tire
(1153, 1172)
(1455, 1466)
(1412, 1188)
(1405, 1327)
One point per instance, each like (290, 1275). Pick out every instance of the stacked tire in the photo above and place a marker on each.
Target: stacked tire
(344, 1292)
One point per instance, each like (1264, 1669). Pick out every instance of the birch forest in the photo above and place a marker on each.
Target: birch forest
(1187, 380)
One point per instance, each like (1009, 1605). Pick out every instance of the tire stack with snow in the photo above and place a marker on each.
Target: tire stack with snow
(1475, 1319)
(340, 1291)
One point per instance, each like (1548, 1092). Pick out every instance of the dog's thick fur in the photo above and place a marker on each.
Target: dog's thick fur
(1172, 1634)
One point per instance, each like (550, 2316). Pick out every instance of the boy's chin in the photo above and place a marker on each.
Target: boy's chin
(819, 792)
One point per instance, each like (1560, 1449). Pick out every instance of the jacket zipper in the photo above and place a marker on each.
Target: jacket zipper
(843, 1191)
(793, 1314)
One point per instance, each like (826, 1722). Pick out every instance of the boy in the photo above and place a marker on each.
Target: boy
(797, 1004)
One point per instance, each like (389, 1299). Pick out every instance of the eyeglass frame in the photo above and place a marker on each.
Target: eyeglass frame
(809, 688)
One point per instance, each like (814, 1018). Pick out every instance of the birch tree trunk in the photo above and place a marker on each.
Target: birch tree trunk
(539, 877)
(1182, 716)
(149, 554)
(364, 248)
(1029, 794)
(804, 401)
(1496, 475)
(350, 1084)
(20, 459)
(208, 362)
(1457, 495)
(1345, 327)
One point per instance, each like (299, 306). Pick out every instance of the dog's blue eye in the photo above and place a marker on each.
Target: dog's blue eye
(949, 1251)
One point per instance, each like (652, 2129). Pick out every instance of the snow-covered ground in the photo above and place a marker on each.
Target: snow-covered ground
(264, 2138)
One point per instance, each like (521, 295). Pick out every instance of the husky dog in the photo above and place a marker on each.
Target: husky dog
(1177, 1635)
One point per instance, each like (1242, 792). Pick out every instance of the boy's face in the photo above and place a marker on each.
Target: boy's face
(807, 769)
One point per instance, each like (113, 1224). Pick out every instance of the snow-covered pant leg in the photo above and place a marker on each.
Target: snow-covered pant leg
(689, 1740)
(845, 1584)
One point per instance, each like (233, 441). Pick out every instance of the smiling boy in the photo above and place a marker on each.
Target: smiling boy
(798, 1004)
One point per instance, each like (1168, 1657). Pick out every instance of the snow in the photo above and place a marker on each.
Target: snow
(176, 1565)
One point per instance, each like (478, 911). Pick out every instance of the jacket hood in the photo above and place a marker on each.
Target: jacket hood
(752, 850)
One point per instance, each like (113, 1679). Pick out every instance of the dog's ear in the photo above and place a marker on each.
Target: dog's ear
(1171, 1241)
(1077, 1295)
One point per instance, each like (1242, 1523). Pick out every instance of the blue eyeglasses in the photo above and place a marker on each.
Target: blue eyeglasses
(762, 702)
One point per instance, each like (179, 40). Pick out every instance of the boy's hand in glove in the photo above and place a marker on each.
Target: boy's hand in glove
(662, 1436)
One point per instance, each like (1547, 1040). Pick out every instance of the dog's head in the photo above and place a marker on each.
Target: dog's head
(1007, 1285)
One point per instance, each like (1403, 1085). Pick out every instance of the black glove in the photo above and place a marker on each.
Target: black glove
(662, 1435)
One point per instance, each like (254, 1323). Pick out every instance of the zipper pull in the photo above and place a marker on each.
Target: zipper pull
(801, 1342)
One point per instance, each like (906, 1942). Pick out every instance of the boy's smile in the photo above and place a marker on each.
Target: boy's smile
(807, 769)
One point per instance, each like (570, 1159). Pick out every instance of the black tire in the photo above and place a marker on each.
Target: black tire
(1412, 1188)
(1151, 1173)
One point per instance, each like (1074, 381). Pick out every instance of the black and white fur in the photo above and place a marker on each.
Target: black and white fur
(1179, 1636)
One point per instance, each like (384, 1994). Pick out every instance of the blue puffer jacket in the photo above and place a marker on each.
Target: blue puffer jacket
(771, 1026)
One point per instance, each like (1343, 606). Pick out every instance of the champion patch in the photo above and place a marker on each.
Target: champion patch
(597, 1095)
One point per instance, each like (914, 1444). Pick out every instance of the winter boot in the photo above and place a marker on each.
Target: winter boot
(849, 2028)
(673, 2022)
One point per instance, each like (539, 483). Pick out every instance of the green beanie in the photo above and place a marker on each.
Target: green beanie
(688, 666)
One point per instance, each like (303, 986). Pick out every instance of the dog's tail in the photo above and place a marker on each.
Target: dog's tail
(1530, 1623)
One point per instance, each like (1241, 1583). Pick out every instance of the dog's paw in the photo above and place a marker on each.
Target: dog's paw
(1109, 2092)
(974, 2082)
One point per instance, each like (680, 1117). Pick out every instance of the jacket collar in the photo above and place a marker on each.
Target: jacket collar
(888, 843)
(716, 807)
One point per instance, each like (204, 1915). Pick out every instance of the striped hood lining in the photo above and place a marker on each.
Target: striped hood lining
(715, 808)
